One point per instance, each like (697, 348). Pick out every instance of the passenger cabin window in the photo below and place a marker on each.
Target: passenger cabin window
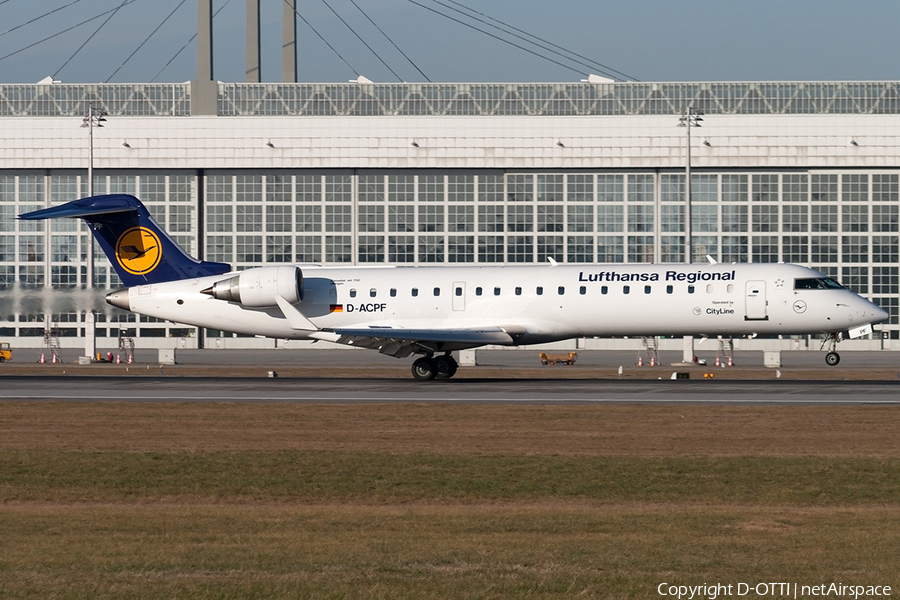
(604, 290)
(561, 290)
(626, 289)
(393, 292)
(539, 291)
(709, 288)
(458, 291)
(353, 293)
(496, 291)
(582, 290)
(518, 291)
(730, 288)
(690, 289)
(437, 291)
(817, 283)
(373, 292)
(669, 289)
(478, 291)
(646, 289)
(415, 292)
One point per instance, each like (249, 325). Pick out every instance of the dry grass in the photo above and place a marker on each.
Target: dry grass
(543, 551)
(437, 501)
(461, 429)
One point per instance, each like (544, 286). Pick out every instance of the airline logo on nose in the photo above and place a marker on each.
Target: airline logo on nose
(138, 251)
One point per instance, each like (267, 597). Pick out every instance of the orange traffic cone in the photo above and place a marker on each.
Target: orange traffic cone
(54, 358)
(652, 361)
(729, 362)
(42, 361)
(118, 359)
(717, 361)
(640, 361)
(130, 359)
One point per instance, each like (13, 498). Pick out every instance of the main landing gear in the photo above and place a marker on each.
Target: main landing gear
(434, 367)
(832, 358)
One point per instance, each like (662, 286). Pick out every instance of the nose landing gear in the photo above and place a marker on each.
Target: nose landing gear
(832, 358)
(434, 367)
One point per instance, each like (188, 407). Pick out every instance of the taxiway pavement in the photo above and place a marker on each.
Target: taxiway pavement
(482, 391)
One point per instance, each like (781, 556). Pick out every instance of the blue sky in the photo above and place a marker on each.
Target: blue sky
(649, 40)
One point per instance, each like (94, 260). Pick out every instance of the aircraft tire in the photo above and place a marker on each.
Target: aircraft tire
(424, 369)
(832, 359)
(446, 366)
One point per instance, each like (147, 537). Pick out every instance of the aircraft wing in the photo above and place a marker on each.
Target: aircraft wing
(399, 342)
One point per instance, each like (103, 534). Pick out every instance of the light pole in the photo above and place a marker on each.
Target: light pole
(93, 118)
(689, 118)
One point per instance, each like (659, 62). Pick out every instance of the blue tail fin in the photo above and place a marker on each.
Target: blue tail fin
(138, 248)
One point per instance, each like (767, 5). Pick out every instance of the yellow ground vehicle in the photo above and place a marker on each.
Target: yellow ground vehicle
(5, 351)
(558, 359)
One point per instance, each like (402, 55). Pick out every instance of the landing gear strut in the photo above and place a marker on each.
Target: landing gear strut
(832, 358)
(434, 367)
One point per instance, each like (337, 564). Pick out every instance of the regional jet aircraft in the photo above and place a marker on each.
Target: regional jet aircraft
(433, 311)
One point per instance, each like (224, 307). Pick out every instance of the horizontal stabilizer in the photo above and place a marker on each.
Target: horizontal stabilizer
(86, 207)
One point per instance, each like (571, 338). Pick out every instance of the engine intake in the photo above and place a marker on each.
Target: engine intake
(258, 287)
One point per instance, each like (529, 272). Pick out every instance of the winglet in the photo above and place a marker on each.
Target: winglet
(296, 319)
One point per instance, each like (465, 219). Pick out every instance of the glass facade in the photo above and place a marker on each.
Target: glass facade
(558, 99)
(846, 224)
(465, 99)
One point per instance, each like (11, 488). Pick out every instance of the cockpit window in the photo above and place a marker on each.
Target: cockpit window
(817, 283)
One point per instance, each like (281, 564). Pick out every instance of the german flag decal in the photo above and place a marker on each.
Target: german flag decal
(337, 308)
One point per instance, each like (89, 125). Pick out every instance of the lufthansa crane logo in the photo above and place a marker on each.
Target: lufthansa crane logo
(138, 251)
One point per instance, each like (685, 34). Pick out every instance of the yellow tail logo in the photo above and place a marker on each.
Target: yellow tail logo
(138, 250)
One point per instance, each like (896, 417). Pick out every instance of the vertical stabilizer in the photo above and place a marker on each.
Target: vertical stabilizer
(139, 249)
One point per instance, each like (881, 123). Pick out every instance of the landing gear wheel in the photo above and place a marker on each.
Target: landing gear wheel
(832, 359)
(424, 369)
(446, 366)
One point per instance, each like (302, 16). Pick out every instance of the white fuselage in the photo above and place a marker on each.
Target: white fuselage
(543, 303)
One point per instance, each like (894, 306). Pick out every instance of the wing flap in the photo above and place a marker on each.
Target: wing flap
(477, 336)
(398, 342)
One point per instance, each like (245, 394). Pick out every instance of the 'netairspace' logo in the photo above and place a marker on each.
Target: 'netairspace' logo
(795, 590)
(138, 251)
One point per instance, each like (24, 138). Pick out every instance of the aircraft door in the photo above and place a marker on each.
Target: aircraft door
(459, 295)
(756, 303)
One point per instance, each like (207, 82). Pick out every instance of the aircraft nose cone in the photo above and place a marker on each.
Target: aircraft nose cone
(881, 315)
(119, 298)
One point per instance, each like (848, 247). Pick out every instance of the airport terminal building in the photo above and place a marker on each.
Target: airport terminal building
(433, 174)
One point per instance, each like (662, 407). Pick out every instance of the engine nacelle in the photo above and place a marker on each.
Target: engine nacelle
(258, 287)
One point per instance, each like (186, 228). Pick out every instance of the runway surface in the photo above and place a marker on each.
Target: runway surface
(328, 355)
(533, 391)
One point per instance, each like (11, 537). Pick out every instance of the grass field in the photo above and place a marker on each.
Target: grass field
(441, 501)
